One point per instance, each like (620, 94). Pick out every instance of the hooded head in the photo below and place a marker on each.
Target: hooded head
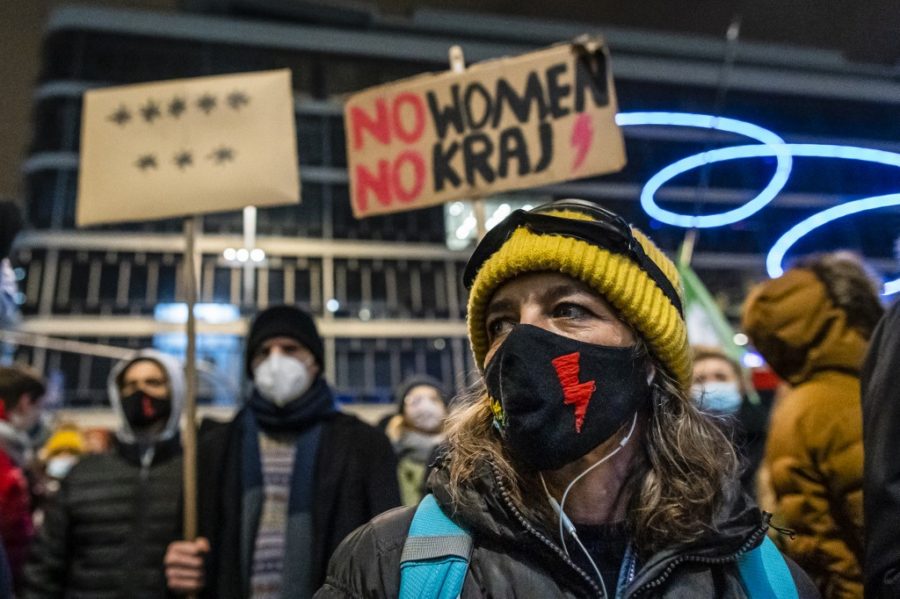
(800, 326)
(175, 387)
(592, 245)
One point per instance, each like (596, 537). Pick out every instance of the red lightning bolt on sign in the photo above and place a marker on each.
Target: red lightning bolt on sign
(582, 139)
(575, 393)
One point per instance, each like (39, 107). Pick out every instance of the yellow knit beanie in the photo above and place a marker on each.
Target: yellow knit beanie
(616, 276)
(66, 439)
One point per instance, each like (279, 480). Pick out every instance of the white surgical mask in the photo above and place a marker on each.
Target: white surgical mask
(718, 397)
(425, 415)
(281, 379)
(58, 467)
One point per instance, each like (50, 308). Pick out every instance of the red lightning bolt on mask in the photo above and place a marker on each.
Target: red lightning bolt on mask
(147, 407)
(574, 392)
(582, 139)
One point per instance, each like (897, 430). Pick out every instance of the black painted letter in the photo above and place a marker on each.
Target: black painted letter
(444, 116)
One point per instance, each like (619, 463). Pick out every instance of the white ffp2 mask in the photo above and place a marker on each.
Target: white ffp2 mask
(281, 379)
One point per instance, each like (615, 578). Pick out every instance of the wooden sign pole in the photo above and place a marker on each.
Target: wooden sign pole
(221, 143)
(458, 65)
(189, 439)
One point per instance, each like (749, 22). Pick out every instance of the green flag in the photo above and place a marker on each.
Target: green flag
(706, 324)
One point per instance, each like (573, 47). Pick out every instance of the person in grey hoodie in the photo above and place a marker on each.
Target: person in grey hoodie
(106, 532)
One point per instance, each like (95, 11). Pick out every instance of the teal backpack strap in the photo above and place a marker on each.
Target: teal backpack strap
(765, 573)
(435, 556)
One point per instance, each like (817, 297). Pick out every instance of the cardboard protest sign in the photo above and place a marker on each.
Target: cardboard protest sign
(188, 146)
(503, 124)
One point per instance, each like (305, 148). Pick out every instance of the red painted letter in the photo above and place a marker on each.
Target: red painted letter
(415, 159)
(380, 128)
(411, 135)
(365, 181)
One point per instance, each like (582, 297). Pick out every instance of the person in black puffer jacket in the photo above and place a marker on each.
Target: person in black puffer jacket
(105, 533)
(579, 466)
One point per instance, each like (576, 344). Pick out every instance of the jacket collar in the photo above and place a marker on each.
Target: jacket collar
(485, 512)
(137, 453)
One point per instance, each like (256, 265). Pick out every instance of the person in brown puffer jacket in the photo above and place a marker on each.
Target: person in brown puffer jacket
(812, 325)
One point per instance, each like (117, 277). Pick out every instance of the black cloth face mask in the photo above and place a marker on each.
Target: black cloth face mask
(142, 410)
(555, 399)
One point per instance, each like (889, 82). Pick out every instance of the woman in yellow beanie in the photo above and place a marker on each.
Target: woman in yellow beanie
(579, 466)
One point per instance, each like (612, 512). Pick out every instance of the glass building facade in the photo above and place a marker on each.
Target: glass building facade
(386, 290)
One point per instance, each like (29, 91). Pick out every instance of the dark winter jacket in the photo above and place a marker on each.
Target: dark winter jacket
(748, 433)
(106, 532)
(513, 557)
(354, 480)
(5, 574)
(881, 482)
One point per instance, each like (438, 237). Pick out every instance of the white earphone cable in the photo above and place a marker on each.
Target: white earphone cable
(558, 507)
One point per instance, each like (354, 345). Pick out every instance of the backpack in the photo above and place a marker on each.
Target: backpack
(436, 556)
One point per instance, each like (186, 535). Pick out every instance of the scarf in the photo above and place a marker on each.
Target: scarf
(314, 405)
(417, 446)
(302, 418)
(16, 443)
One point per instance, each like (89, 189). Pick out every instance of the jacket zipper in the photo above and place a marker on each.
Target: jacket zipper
(543, 539)
(702, 560)
(146, 460)
(750, 542)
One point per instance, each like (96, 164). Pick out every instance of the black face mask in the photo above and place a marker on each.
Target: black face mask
(142, 410)
(555, 399)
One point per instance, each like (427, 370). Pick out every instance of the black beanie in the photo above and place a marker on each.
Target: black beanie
(284, 321)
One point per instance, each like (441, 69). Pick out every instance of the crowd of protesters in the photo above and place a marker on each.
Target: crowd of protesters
(599, 453)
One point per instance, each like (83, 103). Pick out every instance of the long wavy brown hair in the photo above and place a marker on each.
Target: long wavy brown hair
(678, 481)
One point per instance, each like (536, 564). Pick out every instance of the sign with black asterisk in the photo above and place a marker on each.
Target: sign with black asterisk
(188, 146)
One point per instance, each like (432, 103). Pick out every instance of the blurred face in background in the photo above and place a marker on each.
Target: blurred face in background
(717, 386)
(146, 376)
(288, 347)
(27, 413)
(423, 409)
(146, 397)
(97, 440)
(283, 369)
(710, 370)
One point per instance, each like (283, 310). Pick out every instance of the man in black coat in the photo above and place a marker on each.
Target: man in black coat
(881, 471)
(106, 531)
(286, 480)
